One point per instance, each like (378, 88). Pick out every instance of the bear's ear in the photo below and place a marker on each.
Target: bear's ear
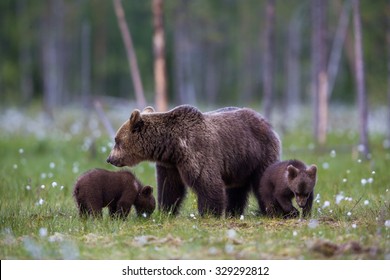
(146, 191)
(136, 121)
(312, 171)
(292, 172)
(148, 110)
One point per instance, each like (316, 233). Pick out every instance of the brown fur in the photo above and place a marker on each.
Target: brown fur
(118, 191)
(282, 182)
(221, 155)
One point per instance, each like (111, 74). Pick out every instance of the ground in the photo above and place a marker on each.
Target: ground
(39, 220)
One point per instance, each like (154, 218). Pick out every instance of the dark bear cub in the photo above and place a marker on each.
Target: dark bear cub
(283, 181)
(118, 191)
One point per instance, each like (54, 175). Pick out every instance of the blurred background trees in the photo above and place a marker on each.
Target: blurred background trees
(222, 52)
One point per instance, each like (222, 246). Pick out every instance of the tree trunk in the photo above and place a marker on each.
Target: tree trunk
(86, 64)
(268, 61)
(360, 81)
(53, 55)
(293, 48)
(183, 56)
(159, 56)
(132, 58)
(388, 75)
(319, 73)
(338, 42)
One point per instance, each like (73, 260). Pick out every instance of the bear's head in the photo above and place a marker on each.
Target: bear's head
(301, 182)
(145, 203)
(129, 148)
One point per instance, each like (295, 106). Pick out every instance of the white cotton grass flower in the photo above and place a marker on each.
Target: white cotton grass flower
(354, 226)
(313, 223)
(43, 232)
(366, 202)
(15, 166)
(213, 251)
(54, 184)
(345, 180)
(43, 186)
(28, 187)
(333, 153)
(363, 181)
(339, 198)
(40, 202)
(242, 217)
(326, 204)
(231, 233)
(349, 214)
(229, 249)
(295, 233)
(52, 165)
(387, 223)
(21, 151)
(325, 165)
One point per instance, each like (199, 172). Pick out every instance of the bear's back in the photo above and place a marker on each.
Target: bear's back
(104, 184)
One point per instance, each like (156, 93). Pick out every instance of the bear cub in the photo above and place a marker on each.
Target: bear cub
(99, 188)
(283, 181)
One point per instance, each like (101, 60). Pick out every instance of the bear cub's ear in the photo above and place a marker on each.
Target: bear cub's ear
(292, 172)
(136, 122)
(312, 171)
(146, 191)
(148, 110)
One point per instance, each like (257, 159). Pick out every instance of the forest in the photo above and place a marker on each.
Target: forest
(214, 50)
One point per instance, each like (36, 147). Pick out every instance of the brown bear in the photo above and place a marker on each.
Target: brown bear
(283, 181)
(221, 155)
(99, 188)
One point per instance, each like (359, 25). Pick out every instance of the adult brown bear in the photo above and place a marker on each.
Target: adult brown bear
(221, 155)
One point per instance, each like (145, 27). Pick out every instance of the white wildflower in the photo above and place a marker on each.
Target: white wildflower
(326, 204)
(43, 232)
(231, 233)
(325, 165)
(313, 223)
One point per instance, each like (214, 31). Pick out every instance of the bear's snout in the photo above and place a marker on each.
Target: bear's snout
(113, 161)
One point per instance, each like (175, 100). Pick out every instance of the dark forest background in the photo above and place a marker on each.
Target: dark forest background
(222, 52)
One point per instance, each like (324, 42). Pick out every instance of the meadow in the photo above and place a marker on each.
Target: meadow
(40, 161)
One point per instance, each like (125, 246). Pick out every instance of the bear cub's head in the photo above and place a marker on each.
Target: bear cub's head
(145, 203)
(301, 182)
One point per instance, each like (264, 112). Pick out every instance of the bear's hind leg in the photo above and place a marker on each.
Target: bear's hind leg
(211, 198)
(236, 201)
(171, 189)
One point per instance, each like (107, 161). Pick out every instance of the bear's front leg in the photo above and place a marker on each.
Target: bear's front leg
(170, 189)
(307, 209)
(289, 211)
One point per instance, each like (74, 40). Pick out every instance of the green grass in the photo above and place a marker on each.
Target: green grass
(42, 222)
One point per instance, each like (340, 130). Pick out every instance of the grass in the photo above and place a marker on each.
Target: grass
(39, 219)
